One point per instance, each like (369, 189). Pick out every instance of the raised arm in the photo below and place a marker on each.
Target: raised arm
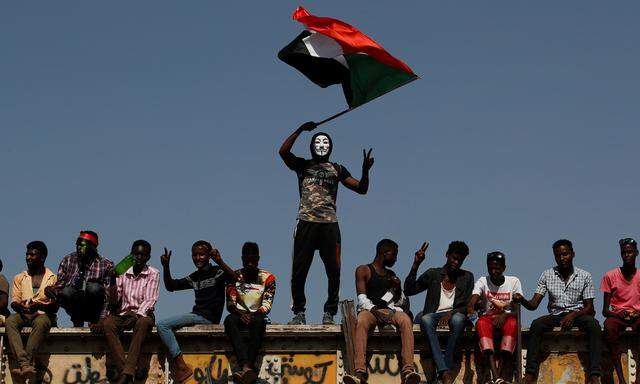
(285, 149)
(232, 277)
(165, 260)
(361, 186)
(413, 286)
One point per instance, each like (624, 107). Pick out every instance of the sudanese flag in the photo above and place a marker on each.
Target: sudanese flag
(331, 52)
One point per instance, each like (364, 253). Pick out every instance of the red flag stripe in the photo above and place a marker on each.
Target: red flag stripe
(350, 39)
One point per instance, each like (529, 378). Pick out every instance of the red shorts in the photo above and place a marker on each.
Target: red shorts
(486, 330)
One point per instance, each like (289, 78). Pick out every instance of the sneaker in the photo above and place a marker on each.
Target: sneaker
(411, 378)
(327, 319)
(298, 319)
(348, 379)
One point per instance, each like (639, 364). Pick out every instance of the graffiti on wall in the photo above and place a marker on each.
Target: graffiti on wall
(82, 373)
(303, 369)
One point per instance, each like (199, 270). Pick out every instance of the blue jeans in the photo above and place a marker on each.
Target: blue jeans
(165, 330)
(429, 324)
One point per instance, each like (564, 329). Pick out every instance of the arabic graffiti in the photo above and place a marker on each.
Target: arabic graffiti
(313, 372)
(214, 373)
(78, 374)
(382, 365)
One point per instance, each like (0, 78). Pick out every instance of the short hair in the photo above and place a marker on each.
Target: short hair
(458, 247)
(202, 243)
(141, 242)
(561, 242)
(250, 248)
(498, 257)
(40, 246)
(385, 243)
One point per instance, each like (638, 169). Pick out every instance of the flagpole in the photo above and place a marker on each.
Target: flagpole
(334, 116)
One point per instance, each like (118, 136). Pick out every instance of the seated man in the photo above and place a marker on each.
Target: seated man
(495, 293)
(448, 293)
(33, 308)
(571, 294)
(378, 291)
(4, 297)
(132, 298)
(208, 283)
(249, 300)
(621, 306)
(83, 277)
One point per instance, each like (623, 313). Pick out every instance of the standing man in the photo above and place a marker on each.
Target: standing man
(208, 283)
(571, 294)
(132, 298)
(249, 300)
(33, 308)
(83, 278)
(317, 227)
(379, 291)
(495, 295)
(621, 306)
(448, 293)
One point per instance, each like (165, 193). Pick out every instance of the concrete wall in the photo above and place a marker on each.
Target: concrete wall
(292, 355)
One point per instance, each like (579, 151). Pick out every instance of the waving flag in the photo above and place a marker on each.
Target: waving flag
(331, 52)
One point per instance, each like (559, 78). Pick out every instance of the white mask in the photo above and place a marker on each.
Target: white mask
(321, 145)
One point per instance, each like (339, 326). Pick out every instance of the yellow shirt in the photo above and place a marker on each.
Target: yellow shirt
(23, 288)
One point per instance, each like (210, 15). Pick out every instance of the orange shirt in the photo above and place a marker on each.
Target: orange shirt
(23, 288)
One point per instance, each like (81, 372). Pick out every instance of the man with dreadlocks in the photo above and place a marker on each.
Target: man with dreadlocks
(317, 227)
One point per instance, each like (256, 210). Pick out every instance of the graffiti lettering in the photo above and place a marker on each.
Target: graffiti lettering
(79, 375)
(311, 375)
(382, 366)
(208, 374)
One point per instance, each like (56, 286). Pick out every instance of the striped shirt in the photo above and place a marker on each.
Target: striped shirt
(566, 296)
(70, 274)
(138, 293)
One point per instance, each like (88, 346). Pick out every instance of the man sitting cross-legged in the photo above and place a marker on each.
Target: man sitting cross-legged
(379, 291)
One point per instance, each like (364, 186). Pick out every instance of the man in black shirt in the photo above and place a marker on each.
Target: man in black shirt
(380, 302)
(317, 221)
(208, 283)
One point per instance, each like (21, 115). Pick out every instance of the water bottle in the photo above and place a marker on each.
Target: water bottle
(124, 265)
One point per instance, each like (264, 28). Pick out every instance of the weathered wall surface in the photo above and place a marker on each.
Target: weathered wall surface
(293, 355)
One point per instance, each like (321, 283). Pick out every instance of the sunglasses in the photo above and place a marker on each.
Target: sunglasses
(626, 241)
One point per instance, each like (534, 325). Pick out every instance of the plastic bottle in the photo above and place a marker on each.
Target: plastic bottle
(124, 265)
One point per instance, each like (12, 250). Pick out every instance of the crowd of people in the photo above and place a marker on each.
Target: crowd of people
(111, 298)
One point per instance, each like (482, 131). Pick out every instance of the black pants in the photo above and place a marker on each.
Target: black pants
(325, 237)
(246, 351)
(83, 305)
(543, 324)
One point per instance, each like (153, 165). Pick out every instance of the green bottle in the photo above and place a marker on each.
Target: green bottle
(124, 265)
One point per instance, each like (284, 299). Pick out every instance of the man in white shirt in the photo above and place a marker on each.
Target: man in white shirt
(494, 295)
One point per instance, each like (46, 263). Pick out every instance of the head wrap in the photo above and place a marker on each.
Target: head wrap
(90, 237)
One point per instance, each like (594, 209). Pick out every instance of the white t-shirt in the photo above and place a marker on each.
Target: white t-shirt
(446, 299)
(497, 299)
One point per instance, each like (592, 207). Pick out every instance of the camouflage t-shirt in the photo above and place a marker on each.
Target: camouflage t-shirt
(318, 186)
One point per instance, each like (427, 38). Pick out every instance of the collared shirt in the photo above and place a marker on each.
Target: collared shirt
(69, 273)
(138, 293)
(252, 297)
(566, 296)
(23, 288)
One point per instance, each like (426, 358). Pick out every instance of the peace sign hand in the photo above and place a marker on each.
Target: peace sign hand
(367, 161)
(420, 253)
(165, 259)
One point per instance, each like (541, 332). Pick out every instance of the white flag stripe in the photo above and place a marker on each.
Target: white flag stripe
(320, 45)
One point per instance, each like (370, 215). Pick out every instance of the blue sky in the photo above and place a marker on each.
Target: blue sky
(162, 120)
